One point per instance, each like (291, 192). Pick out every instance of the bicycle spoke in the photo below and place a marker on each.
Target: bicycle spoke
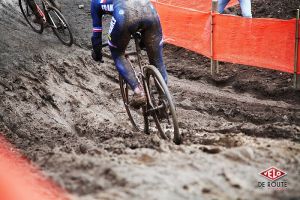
(52, 21)
(59, 26)
(61, 21)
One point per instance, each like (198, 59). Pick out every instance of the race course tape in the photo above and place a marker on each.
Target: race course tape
(19, 180)
(260, 42)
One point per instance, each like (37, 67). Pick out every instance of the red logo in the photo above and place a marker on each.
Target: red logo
(273, 173)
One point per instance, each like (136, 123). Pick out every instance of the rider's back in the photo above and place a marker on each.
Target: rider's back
(136, 14)
(135, 8)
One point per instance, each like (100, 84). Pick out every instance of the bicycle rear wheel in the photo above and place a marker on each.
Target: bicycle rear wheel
(137, 117)
(29, 16)
(60, 26)
(160, 105)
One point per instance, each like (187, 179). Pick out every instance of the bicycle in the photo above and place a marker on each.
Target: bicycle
(53, 18)
(159, 103)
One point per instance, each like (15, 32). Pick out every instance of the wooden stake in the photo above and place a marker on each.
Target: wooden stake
(214, 64)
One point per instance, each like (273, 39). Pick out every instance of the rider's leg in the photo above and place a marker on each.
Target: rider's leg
(126, 71)
(153, 40)
(118, 40)
(124, 67)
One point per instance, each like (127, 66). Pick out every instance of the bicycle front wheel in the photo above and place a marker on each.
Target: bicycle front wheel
(29, 16)
(60, 26)
(160, 105)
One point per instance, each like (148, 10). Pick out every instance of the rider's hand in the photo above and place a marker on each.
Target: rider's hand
(97, 57)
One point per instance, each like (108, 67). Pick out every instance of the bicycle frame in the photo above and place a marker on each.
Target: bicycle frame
(46, 17)
(138, 52)
(43, 14)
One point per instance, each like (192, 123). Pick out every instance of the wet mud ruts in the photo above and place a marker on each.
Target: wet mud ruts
(64, 112)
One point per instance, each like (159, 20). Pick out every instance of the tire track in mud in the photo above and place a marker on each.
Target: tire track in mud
(251, 116)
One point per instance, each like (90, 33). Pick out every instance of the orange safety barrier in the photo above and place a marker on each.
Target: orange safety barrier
(185, 28)
(200, 5)
(267, 43)
(21, 181)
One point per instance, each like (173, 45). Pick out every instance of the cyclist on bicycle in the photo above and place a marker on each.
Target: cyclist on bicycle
(128, 17)
(39, 14)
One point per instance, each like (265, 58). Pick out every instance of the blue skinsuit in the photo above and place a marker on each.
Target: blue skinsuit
(128, 17)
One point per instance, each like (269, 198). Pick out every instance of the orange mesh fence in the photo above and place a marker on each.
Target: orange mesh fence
(185, 28)
(267, 43)
(200, 5)
(19, 180)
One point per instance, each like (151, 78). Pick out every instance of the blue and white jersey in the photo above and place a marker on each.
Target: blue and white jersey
(131, 13)
(128, 17)
(107, 5)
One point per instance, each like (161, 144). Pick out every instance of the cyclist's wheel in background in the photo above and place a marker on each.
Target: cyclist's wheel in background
(29, 16)
(160, 105)
(60, 26)
(136, 116)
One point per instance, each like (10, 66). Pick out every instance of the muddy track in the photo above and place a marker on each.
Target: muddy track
(64, 112)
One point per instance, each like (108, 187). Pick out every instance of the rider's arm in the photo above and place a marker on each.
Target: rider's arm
(97, 30)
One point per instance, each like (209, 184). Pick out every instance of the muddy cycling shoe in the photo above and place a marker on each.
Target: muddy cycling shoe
(138, 100)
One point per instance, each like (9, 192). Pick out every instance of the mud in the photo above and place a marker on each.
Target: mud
(64, 112)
